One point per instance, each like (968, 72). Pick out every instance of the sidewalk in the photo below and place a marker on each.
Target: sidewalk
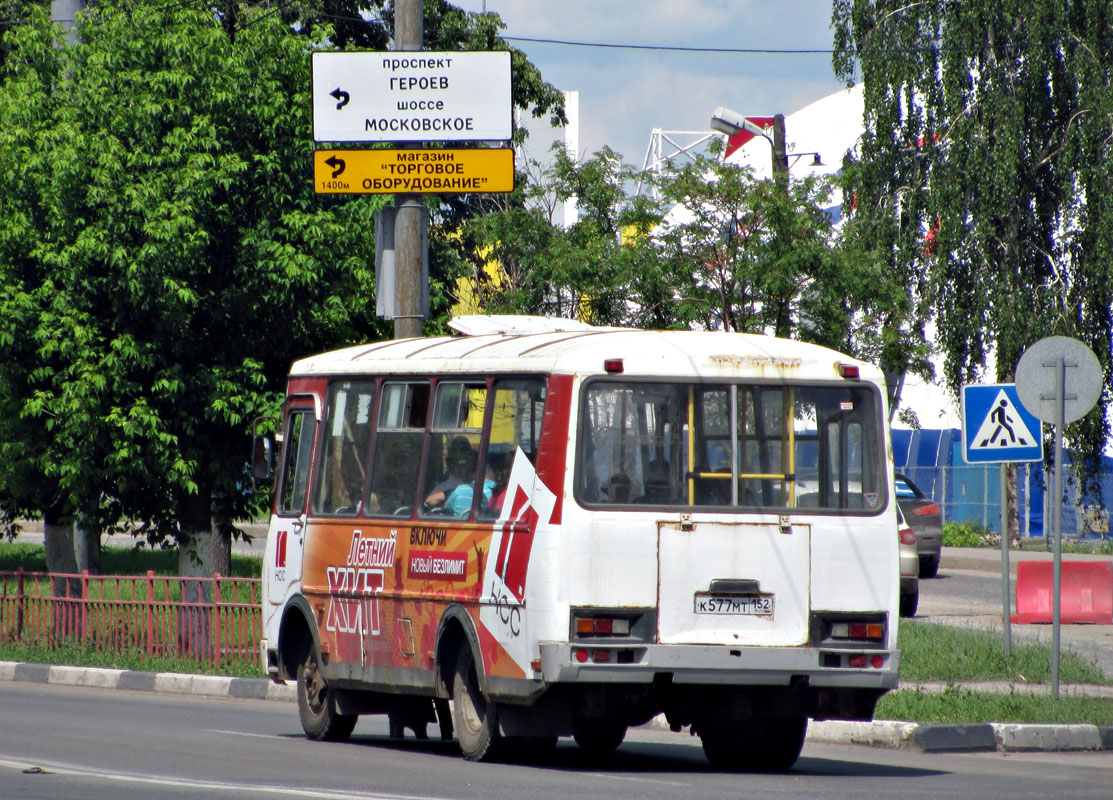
(988, 559)
(31, 532)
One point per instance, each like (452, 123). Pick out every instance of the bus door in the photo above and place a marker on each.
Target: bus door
(733, 583)
(735, 568)
(286, 536)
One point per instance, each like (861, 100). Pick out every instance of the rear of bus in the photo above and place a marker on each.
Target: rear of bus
(731, 557)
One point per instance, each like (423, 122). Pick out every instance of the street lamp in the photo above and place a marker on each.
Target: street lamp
(724, 120)
(731, 122)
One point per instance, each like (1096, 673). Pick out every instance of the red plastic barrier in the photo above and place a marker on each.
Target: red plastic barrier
(1086, 588)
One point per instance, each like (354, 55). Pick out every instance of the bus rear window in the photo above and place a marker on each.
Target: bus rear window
(731, 446)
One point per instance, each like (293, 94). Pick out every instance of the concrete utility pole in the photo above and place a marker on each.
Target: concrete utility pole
(780, 156)
(64, 14)
(411, 219)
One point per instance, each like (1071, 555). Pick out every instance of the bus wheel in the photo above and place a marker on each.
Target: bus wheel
(476, 719)
(319, 718)
(597, 736)
(765, 744)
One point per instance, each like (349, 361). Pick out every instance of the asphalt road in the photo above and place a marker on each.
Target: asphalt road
(60, 742)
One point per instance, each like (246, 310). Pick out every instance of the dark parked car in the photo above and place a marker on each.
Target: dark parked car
(909, 566)
(925, 518)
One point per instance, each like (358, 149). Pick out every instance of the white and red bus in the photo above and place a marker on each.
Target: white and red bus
(568, 530)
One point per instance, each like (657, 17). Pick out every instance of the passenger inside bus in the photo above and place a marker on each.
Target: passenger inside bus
(459, 499)
(498, 468)
(460, 470)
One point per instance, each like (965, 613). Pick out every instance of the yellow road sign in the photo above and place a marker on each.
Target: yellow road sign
(421, 171)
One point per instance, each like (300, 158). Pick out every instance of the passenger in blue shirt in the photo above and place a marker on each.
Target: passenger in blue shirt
(459, 500)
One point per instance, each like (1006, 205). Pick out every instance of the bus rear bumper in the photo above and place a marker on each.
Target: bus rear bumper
(721, 665)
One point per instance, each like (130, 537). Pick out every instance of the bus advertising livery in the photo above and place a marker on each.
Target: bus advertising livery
(540, 528)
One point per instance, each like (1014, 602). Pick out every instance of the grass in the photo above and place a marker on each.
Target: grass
(957, 705)
(939, 653)
(76, 654)
(931, 652)
(119, 560)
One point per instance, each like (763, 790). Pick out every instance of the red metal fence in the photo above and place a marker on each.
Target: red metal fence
(214, 621)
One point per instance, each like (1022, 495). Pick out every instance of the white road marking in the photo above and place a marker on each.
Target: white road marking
(635, 780)
(245, 733)
(76, 770)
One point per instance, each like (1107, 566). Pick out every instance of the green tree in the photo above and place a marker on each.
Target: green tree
(762, 256)
(985, 172)
(13, 13)
(164, 260)
(719, 250)
(598, 268)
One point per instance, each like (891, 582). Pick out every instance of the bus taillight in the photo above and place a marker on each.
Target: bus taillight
(858, 630)
(602, 626)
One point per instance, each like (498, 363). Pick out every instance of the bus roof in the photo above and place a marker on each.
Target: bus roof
(540, 345)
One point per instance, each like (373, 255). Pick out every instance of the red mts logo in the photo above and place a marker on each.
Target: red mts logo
(280, 550)
(517, 541)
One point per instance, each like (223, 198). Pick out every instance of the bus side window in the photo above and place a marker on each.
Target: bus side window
(295, 465)
(631, 451)
(342, 470)
(518, 408)
(399, 436)
(453, 451)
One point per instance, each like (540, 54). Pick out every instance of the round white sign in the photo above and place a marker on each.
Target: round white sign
(1036, 379)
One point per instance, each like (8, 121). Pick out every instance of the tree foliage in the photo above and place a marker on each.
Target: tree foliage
(13, 13)
(163, 257)
(163, 260)
(985, 171)
(764, 256)
(719, 250)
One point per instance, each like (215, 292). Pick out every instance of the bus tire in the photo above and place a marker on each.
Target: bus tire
(319, 718)
(764, 744)
(598, 737)
(476, 719)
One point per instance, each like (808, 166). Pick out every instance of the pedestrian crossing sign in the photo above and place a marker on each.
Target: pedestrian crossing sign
(996, 427)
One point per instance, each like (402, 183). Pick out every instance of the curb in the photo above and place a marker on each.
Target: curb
(138, 681)
(925, 738)
(976, 738)
(1002, 737)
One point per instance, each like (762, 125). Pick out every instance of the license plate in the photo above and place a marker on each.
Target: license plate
(757, 605)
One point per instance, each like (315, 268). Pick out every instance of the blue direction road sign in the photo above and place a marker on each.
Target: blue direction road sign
(996, 427)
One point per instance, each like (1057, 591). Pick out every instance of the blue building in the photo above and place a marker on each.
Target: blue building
(932, 458)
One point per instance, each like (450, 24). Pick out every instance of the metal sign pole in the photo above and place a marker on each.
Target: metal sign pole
(1057, 515)
(1006, 590)
(996, 427)
(1064, 399)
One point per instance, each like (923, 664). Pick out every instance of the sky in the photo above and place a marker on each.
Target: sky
(626, 93)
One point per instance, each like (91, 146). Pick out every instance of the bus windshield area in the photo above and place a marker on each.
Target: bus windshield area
(731, 446)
